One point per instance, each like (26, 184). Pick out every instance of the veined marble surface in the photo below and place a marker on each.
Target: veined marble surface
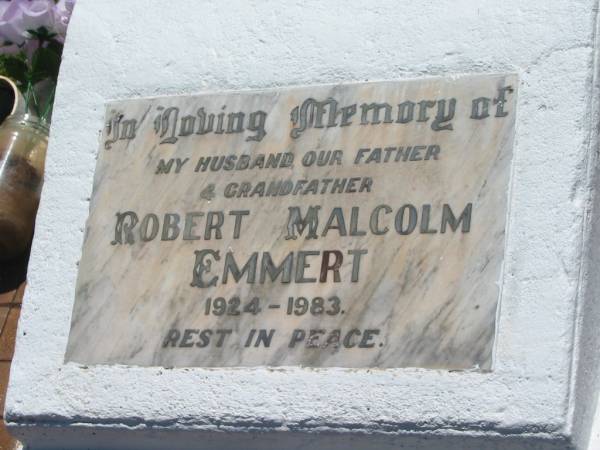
(397, 266)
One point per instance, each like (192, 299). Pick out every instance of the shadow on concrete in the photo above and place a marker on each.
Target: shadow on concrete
(13, 272)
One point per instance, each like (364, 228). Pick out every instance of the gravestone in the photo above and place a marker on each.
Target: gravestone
(307, 227)
(264, 228)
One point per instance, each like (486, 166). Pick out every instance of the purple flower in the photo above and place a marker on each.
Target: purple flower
(17, 17)
(11, 23)
(36, 14)
(62, 14)
(69, 4)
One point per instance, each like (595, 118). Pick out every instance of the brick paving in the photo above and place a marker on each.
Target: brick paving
(10, 308)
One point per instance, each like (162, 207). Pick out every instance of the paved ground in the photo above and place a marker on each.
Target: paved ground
(10, 308)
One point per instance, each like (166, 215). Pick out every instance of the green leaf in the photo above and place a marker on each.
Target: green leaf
(44, 64)
(42, 33)
(15, 68)
(55, 46)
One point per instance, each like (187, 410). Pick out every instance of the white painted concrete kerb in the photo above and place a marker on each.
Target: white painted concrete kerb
(540, 394)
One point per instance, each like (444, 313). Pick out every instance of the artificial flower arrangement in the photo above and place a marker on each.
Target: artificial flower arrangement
(32, 34)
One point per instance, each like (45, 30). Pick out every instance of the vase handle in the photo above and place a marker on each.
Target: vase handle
(18, 106)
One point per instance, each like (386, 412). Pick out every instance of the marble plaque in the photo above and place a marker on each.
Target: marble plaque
(353, 225)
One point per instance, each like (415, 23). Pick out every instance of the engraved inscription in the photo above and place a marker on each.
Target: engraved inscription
(354, 225)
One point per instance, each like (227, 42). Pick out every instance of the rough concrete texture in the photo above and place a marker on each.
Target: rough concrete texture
(541, 393)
